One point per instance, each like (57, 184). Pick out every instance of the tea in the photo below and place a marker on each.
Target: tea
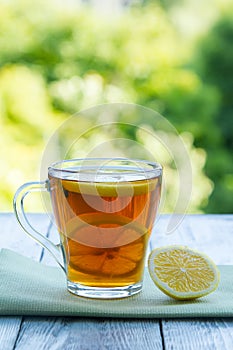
(104, 227)
(104, 209)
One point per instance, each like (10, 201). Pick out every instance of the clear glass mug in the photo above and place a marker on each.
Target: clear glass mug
(104, 210)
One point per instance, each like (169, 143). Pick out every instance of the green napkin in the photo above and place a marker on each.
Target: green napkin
(31, 288)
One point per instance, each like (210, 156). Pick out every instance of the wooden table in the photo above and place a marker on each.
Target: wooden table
(212, 234)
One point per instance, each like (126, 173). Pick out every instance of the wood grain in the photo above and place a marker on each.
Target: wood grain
(9, 329)
(13, 237)
(198, 334)
(80, 333)
(212, 234)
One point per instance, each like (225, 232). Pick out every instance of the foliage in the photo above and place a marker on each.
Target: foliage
(56, 61)
(214, 63)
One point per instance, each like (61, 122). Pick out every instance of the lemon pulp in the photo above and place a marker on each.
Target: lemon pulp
(183, 273)
(98, 249)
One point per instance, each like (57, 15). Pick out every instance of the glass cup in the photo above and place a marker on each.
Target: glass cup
(104, 210)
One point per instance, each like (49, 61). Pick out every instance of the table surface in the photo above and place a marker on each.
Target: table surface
(212, 234)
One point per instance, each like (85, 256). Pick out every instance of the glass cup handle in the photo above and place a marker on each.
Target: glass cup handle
(18, 204)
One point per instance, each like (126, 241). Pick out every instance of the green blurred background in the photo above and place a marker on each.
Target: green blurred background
(174, 56)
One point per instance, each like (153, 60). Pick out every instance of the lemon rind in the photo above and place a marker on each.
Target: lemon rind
(111, 189)
(183, 295)
(103, 218)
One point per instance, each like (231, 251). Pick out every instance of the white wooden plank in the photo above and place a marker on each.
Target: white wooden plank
(212, 234)
(13, 237)
(198, 334)
(79, 333)
(9, 328)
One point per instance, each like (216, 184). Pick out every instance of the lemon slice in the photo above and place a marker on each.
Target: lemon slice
(96, 247)
(183, 273)
(111, 189)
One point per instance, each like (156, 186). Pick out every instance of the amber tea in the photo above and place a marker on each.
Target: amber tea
(105, 228)
(104, 210)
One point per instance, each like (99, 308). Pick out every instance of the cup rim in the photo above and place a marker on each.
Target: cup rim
(86, 164)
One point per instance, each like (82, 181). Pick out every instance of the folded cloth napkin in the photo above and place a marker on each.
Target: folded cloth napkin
(31, 288)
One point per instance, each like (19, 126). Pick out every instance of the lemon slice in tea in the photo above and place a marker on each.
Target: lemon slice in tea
(111, 189)
(94, 246)
(183, 273)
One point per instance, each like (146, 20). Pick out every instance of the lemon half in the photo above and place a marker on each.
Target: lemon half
(183, 273)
